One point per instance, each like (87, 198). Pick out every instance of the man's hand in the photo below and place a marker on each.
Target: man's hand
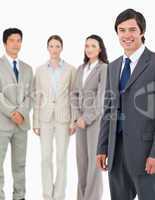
(81, 123)
(150, 165)
(17, 118)
(101, 162)
(36, 131)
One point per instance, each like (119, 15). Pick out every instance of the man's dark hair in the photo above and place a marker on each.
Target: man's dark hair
(11, 31)
(132, 14)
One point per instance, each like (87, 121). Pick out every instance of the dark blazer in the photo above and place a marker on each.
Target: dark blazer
(138, 106)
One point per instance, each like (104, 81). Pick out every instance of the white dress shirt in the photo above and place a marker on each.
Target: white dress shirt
(134, 58)
(87, 70)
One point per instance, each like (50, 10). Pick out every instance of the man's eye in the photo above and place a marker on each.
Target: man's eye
(122, 30)
(132, 30)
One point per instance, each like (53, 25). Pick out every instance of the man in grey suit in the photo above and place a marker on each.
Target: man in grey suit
(127, 131)
(15, 91)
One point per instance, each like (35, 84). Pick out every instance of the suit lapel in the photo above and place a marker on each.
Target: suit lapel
(140, 67)
(48, 76)
(80, 78)
(21, 86)
(8, 67)
(92, 73)
(21, 72)
(115, 78)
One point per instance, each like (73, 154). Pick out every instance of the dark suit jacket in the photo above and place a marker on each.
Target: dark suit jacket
(138, 106)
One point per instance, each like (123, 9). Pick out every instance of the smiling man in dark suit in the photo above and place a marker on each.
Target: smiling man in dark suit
(127, 132)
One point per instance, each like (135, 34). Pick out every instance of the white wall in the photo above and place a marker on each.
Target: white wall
(74, 21)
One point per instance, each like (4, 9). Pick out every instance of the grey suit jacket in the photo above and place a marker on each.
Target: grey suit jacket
(14, 96)
(87, 101)
(139, 110)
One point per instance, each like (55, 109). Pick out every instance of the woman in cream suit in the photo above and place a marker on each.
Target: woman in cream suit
(51, 119)
(87, 100)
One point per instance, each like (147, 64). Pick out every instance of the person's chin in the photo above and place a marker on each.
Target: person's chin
(128, 48)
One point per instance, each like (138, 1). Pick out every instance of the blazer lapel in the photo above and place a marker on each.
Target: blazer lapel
(140, 67)
(21, 86)
(48, 77)
(8, 67)
(115, 77)
(21, 72)
(92, 73)
(80, 78)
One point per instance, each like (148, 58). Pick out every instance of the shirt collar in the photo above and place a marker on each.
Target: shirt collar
(136, 55)
(92, 65)
(10, 60)
(61, 63)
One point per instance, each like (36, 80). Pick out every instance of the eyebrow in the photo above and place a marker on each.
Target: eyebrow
(132, 27)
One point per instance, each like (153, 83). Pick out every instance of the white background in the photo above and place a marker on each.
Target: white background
(73, 21)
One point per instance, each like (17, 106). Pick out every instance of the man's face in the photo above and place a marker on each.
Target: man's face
(13, 45)
(54, 48)
(129, 35)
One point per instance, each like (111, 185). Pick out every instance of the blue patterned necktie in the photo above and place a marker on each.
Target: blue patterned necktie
(126, 73)
(15, 69)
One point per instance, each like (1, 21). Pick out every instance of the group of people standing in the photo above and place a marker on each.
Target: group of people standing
(69, 101)
(103, 104)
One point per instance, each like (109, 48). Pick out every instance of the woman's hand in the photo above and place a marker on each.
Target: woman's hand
(72, 129)
(81, 123)
(36, 131)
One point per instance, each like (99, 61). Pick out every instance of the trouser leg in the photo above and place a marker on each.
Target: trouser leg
(46, 139)
(82, 162)
(94, 186)
(18, 155)
(120, 181)
(62, 141)
(4, 140)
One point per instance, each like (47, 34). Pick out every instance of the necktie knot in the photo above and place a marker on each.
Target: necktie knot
(127, 61)
(14, 62)
(125, 74)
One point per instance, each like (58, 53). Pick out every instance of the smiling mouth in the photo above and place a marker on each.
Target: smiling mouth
(128, 42)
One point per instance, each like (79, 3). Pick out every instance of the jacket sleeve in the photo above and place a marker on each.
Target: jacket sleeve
(6, 107)
(37, 99)
(152, 153)
(74, 98)
(92, 113)
(71, 87)
(102, 147)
